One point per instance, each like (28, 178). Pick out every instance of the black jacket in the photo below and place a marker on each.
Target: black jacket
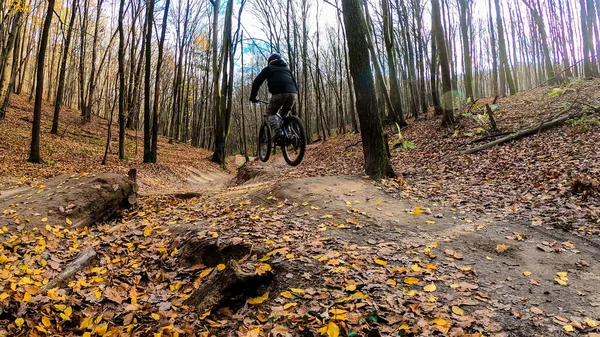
(279, 79)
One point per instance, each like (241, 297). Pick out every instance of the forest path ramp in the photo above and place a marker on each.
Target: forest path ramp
(515, 279)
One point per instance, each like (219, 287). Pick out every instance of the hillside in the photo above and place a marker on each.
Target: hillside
(80, 148)
(457, 245)
(550, 179)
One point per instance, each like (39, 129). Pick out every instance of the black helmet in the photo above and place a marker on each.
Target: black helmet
(274, 57)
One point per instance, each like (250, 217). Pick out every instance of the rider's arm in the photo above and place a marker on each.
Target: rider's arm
(258, 81)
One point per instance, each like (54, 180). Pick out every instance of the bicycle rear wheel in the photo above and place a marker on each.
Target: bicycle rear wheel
(265, 142)
(294, 144)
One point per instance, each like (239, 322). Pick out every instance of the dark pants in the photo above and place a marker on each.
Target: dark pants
(284, 101)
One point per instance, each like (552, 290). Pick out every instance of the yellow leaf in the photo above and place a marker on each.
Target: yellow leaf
(147, 231)
(297, 290)
(337, 311)
(258, 300)
(263, 268)
(457, 310)
(86, 323)
(40, 329)
(46, 321)
(44, 219)
(155, 316)
(331, 330)
(205, 272)
(430, 287)
(391, 282)
(561, 282)
(68, 311)
(442, 322)
(19, 322)
(289, 305)
(4, 296)
(562, 274)
(87, 334)
(68, 221)
(27, 297)
(289, 256)
(416, 268)
(411, 280)
(359, 295)
(404, 327)
(417, 210)
(501, 248)
(204, 315)
(286, 294)
(526, 273)
(101, 329)
(568, 328)
(253, 333)
(351, 287)
(380, 262)
(220, 267)
(590, 322)
(60, 307)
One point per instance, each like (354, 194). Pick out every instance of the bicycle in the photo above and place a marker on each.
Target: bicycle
(292, 143)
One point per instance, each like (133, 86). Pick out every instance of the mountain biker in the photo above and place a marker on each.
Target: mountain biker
(282, 86)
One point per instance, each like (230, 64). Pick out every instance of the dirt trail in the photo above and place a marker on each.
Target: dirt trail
(521, 283)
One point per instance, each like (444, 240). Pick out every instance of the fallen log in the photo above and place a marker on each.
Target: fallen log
(545, 125)
(68, 200)
(82, 261)
(484, 138)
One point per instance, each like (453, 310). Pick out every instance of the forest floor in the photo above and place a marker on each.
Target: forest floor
(498, 243)
(79, 148)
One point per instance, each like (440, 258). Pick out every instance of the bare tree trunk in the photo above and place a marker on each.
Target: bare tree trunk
(464, 6)
(6, 62)
(161, 43)
(503, 52)
(438, 35)
(122, 112)
(34, 154)
(377, 163)
(63, 70)
(147, 76)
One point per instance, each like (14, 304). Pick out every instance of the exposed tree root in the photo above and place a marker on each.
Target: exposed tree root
(229, 287)
(82, 261)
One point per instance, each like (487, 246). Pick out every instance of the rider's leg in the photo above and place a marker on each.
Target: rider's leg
(275, 103)
(287, 103)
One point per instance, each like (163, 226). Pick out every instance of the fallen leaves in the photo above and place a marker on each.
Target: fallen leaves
(411, 280)
(430, 287)
(381, 262)
(562, 278)
(457, 310)
(258, 300)
(330, 330)
(502, 248)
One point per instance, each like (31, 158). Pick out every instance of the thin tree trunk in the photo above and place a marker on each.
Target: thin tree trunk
(63, 70)
(147, 77)
(34, 154)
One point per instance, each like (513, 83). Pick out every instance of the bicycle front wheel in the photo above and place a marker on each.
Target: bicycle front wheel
(294, 144)
(264, 142)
